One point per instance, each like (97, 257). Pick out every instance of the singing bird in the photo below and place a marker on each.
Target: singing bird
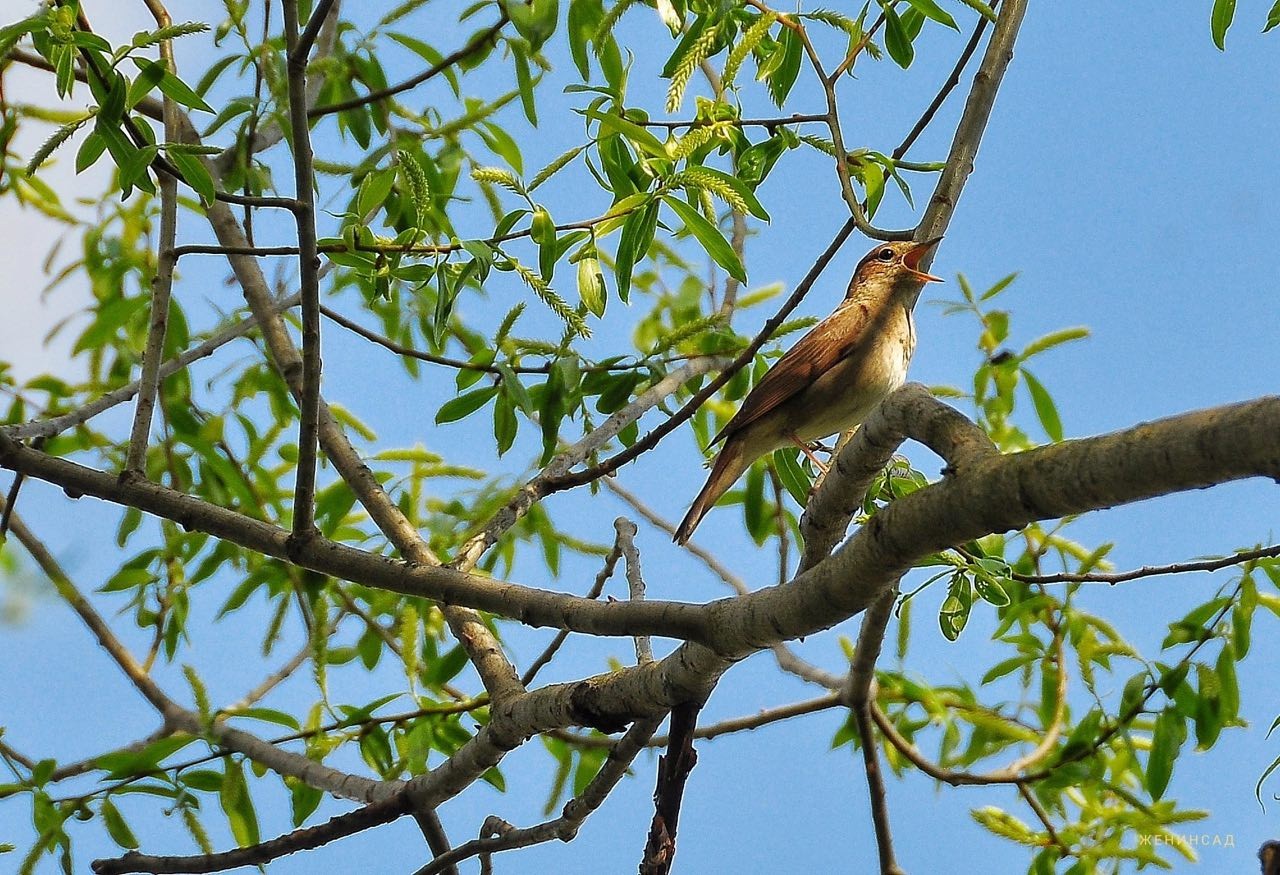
(832, 378)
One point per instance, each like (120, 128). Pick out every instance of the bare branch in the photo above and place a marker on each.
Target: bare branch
(479, 42)
(302, 47)
(948, 85)
(861, 679)
(58, 424)
(494, 839)
(635, 580)
(973, 122)
(255, 855)
(597, 587)
(162, 281)
(308, 269)
(1242, 557)
(911, 411)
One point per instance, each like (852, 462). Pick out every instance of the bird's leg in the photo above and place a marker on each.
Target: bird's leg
(804, 448)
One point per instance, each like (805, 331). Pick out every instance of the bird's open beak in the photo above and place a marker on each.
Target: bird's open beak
(913, 257)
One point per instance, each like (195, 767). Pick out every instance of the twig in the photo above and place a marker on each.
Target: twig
(543, 483)
(949, 84)
(433, 832)
(635, 580)
(475, 45)
(1152, 570)
(1041, 813)
(788, 661)
(745, 723)
(973, 122)
(58, 424)
(597, 587)
(646, 443)
(770, 123)
(861, 676)
(308, 273)
(409, 352)
(101, 631)
(307, 838)
(502, 836)
(852, 56)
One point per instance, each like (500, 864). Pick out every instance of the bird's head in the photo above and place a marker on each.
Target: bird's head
(892, 267)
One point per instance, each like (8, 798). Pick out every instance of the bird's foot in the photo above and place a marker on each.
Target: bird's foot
(808, 451)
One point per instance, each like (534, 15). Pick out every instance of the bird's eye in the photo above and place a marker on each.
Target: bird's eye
(885, 254)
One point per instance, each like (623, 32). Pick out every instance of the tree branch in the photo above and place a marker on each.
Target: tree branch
(308, 268)
(475, 45)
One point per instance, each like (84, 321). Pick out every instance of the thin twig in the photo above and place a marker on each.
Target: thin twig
(1152, 570)
(597, 587)
(635, 580)
(1040, 812)
(475, 45)
(58, 424)
(646, 443)
(861, 677)
(949, 84)
(497, 835)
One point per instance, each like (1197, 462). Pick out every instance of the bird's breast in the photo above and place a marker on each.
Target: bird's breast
(843, 396)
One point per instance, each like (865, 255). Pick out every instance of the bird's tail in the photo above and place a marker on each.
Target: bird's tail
(728, 467)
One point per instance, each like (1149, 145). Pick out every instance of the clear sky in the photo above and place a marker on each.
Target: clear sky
(1128, 174)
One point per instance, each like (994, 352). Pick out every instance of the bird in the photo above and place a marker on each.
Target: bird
(832, 378)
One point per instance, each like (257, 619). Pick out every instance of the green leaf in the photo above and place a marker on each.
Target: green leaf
(1166, 740)
(1050, 340)
(616, 124)
(1046, 410)
(930, 9)
(793, 477)
(783, 75)
(633, 245)
(1273, 17)
(173, 87)
(954, 613)
(524, 82)
(710, 237)
(465, 404)
(238, 806)
(505, 424)
(195, 174)
(268, 715)
(304, 800)
(1220, 21)
(116, 826)
(999, 287)
(591, 285)
(896, 39)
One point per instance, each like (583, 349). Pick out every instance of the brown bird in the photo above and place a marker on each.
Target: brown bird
(832, 378)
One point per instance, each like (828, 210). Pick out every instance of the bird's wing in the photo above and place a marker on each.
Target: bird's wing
(831, 340)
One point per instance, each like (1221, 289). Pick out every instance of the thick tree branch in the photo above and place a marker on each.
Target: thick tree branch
(911, 412)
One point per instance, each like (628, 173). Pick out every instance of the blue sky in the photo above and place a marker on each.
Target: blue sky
(1128, 175)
